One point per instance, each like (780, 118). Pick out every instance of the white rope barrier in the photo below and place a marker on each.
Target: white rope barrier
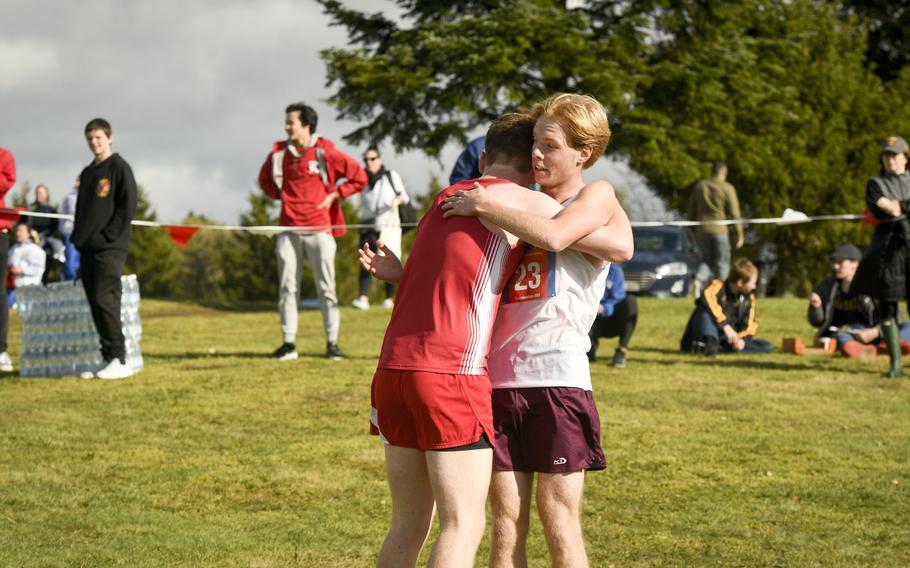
(790, 217)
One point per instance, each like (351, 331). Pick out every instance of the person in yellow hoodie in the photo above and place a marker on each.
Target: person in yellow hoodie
(724, 317)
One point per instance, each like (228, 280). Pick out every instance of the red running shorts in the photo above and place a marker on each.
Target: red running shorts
(430, 411)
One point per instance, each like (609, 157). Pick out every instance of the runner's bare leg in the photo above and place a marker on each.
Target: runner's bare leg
(559, 507)
(460, 480)
(412, 507)
(510, 497)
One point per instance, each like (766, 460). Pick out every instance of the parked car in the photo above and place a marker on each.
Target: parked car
(666, 263)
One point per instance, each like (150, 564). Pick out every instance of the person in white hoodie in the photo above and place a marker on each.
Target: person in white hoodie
(26, 261)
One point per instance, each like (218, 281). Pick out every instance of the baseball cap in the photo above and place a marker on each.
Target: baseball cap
(846, 252)
(895, 144)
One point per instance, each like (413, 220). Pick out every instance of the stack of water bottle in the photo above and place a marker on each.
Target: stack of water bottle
(58, 334)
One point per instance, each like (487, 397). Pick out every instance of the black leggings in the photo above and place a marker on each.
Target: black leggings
(621, 324)
(369, 236)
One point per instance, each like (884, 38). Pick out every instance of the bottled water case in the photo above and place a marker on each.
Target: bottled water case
(58, 334)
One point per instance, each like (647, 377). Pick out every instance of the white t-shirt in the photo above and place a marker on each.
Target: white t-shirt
(540, 338)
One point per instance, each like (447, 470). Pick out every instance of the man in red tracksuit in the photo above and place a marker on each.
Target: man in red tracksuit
(7, 180)
(303, 173)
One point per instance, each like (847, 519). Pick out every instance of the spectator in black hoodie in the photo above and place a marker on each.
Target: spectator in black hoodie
(48, 238)
(101, 233)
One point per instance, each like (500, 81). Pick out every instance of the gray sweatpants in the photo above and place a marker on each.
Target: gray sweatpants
(319, 248)
(715, 252)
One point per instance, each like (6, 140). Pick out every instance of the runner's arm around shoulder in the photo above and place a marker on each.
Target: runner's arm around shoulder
(536, 218)
(612, 242)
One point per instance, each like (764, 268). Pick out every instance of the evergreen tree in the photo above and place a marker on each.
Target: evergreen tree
(455, 66)
(782, 95)
(780, 89)
(250, 265)
(888, 26)
(200, 272)
(152, 254)
(19, 197)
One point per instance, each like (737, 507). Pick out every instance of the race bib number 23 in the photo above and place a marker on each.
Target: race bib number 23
(534, 278)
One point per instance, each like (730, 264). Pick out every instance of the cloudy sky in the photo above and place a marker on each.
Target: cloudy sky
(195, 92)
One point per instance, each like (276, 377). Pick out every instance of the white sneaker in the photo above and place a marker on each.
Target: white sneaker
(91, 374)
(115, 370)
(6, 364)
(388, 303)
(361, 304)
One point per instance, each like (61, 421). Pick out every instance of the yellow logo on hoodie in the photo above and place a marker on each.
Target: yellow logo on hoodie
(104, 188)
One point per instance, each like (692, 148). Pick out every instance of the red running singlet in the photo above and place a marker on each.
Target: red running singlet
(449, 293)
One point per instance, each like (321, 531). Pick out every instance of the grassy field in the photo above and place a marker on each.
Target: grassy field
(217, 456)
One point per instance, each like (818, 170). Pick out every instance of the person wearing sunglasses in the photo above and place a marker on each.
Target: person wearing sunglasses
(379, 219)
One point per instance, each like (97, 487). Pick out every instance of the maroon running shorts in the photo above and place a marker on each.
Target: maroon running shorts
(546, 430)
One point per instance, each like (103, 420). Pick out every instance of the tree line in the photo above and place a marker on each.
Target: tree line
(795, 95)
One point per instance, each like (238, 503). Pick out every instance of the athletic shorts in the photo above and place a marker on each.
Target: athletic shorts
(430, 411)
(546, 430)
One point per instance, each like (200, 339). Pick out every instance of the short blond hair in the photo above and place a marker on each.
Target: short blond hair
(583, 119)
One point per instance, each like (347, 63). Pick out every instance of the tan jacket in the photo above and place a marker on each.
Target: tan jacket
(714, 200)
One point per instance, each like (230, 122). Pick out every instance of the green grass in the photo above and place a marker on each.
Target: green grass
(217, 456)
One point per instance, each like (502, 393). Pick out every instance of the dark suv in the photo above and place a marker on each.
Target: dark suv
(665, 262)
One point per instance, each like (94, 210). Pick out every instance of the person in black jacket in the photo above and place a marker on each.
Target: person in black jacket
(883, 271)
(46, 228)
(724, 317)
(101, 232)
(838, 311)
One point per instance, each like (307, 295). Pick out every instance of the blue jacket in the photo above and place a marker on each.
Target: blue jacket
(615, 292)
(468, 164)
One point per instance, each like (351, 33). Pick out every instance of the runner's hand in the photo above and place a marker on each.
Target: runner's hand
(385, 266)
(465, 203)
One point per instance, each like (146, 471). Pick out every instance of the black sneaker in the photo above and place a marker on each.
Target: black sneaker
(332, 351)
(619, 359)
(287, 352)
(711, 346)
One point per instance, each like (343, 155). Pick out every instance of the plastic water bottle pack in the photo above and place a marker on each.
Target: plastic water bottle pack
(58, 334)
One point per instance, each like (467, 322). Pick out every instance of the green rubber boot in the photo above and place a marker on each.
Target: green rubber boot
(892, 336)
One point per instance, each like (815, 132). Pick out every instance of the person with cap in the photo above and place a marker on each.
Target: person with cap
(840, 312)
(883, 270)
